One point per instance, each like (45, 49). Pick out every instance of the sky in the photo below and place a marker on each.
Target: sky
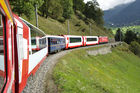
(107, 4)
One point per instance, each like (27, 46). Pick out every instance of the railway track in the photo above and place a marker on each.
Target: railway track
(36, 83)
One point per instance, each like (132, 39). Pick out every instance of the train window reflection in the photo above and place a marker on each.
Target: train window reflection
(2, 72)
(91, 39)
(75, 40)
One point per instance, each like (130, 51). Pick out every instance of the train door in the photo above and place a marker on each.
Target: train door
(22, 40)
(6, 55)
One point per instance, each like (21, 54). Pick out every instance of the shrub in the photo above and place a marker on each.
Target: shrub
(135, 48)
(61, 19)
(78, 24)
(80, 15)
(130, 36)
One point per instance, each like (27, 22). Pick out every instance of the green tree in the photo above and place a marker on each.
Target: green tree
(52, 8)
(135, 48)
(78, 5)
(57, 8)
(130, 36)
(67, 8)
(93, 11)
(25, 7)
(119, 35)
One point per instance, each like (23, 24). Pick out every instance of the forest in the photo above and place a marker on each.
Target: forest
(59, 9)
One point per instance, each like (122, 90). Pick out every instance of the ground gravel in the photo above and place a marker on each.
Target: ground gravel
(1, 82)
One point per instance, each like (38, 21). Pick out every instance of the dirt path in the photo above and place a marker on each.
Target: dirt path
(37, 83)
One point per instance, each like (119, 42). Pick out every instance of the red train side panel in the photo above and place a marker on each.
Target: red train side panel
(73, 41)
(103, 39)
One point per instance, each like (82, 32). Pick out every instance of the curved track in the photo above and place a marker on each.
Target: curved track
(36, 83)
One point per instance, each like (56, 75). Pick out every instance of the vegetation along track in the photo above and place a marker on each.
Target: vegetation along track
(36, 83)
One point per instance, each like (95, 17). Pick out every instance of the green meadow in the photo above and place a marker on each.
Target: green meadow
(116, 72)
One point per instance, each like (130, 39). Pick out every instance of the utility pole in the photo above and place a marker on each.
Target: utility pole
(68, 27)
(90, 28)
(36, 15)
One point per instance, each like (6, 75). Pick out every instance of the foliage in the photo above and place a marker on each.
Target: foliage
(130, 36)
(78, 5)
(80, 15)
(59, 9)
(25, 7)
(119, 35)
(125, 28)
(67, 8)
(93, 11)
(138, 40)
(51, 8)
(135, 48)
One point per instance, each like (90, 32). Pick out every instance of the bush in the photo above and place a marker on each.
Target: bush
(61, 19)
(130, 36)
(78, 24)
(80, 15)
(135, 48)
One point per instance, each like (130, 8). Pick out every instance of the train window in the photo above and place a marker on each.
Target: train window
(2, 71)
(91, 39)
(33, 41)
(75, 39)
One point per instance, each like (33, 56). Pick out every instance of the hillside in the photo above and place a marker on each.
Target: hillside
(128, 14)
(77, 27)
(116, 72)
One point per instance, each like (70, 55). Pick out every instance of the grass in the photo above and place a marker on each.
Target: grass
(124, 29)
(54, 27)
(116, 72)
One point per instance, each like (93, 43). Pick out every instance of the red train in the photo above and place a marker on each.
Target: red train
(21, 53)
(103, 39)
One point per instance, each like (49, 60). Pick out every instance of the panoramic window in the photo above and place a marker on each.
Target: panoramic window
(2, 72)
(75, 40)
(91, 39)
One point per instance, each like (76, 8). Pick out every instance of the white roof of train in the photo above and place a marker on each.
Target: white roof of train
(54, 36)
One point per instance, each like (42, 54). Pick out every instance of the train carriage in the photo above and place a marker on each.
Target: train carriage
(103, 39)
(55, 43)
(38, 43)
(90, 40)
(73, 41)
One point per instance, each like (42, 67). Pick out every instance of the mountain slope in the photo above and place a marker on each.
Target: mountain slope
(112, 12)
(128, 14)
(77, 27)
